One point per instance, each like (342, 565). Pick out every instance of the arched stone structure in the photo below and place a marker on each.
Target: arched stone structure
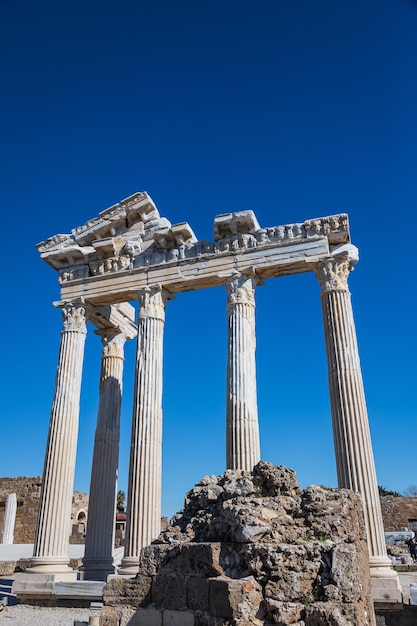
(129, 253)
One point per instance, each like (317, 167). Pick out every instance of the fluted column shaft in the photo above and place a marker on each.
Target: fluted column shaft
(9, 519)
(99, 541)
(353, 447)
(242, 428)
(143, 514)
(50, 553)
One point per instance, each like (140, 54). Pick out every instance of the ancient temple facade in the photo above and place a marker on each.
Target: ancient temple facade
(129, 253)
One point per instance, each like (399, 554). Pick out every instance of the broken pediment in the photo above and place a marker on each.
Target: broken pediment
(131, 236)
(123, 226)
(137, 209)
(228, 224)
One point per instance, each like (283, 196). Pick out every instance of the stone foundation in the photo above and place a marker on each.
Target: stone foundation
(250, 549)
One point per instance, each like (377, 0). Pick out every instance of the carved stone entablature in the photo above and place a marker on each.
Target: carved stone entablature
(111, 264)
(118, 319)
(110, 246)
(73, 272)
(65, 253)
(228, 224)
(122, 228)
(115, 219)
(175, 237)
(53, 242)
(335, 228)
(131, 236)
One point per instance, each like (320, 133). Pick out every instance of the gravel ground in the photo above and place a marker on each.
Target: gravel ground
(27, 615)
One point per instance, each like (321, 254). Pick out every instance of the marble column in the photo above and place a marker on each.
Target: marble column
(242, 428)
(50, 555)
(9, 519)
(99, 540)
(143, 514)
(353, 447)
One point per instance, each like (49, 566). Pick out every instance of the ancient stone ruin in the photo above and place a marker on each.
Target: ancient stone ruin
(130, 253)
(249, 548)
(27, 491)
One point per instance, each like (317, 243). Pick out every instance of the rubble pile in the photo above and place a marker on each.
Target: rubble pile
(250, 548)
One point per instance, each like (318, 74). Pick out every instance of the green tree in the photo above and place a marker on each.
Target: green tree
(121, 497)
(387, 492)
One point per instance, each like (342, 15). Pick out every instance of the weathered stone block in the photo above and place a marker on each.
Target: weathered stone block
(146, 617)
(22, 565)
(292, 586)
(290, 570)
(198, 593)
(129, 591)
(276, 480)
(169, 591)
(333, 513)
(126, 615)
(177, 618)
(346, 569)
(204, 619)
(109, 616)
(284, 613)
(194, 559)
(336, 614)
(151, 558)
(7, 568)
(234, 598)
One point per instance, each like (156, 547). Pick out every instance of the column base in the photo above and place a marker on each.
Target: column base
(129, 566)
(96, 568)
(385, 584)
(58, 566)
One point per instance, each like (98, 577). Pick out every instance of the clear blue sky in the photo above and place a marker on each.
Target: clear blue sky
(292, 108)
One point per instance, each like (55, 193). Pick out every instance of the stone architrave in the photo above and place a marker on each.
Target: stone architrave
(242, 428)
(9, 519)
(99, 541)
(50, 555)
(354, 455)
(143, 514)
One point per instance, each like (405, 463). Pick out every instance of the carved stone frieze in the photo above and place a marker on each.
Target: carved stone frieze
(74, 317)
(334, 227)
(74, 272)
(111, 264)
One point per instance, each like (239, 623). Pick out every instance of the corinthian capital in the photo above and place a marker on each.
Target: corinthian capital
(152, 301)
(333, 272)
(113, 343)
(74, 317)
(241, 289)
